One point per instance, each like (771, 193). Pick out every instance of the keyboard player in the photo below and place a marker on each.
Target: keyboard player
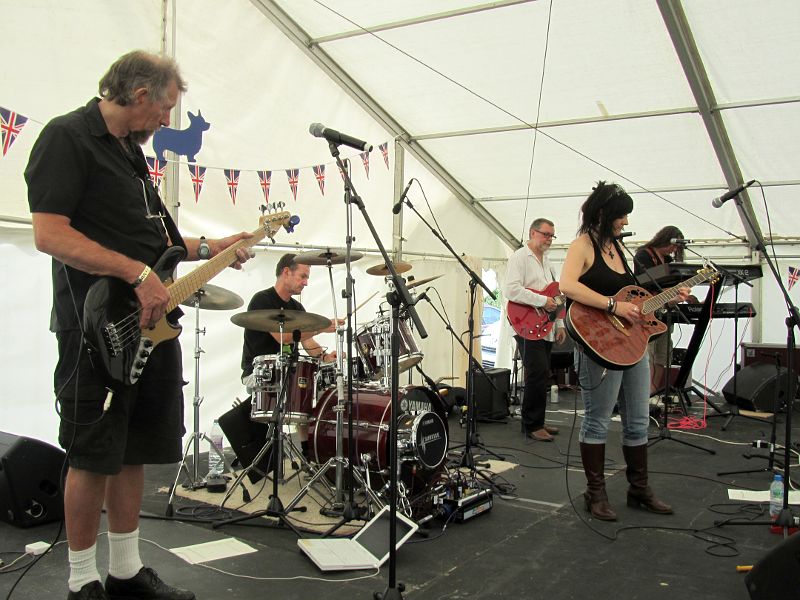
(660, 250)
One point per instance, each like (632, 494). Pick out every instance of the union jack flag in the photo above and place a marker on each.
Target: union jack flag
(11, 124)
(265, 177)
(384, 148)
(156, 169)
(794, 275)
(198, 174)
(294, 178)
(365, 159)
(319, 173)
(232, 177)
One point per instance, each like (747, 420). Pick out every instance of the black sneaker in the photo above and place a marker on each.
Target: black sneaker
(145, 584)
(91, 591)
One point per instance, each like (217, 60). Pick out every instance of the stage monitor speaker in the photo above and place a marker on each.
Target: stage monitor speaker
(491, 404)
(777, 575)
(246, 438)
(30, 481)
(755, 388)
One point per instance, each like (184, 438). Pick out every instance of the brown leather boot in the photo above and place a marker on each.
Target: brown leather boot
(639, 493)
(593, 457)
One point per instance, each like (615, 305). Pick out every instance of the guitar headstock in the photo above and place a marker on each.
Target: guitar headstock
(271, 223)
(709, 274)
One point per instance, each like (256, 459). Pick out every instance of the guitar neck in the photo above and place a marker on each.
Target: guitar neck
(652, 304)
(185, 286)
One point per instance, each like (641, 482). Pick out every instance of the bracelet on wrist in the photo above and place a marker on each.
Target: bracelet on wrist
(142, 276)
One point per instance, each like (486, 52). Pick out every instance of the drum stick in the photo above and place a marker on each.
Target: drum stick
(364, 302)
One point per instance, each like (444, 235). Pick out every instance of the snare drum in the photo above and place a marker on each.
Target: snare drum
(373, 342)
(300, 389)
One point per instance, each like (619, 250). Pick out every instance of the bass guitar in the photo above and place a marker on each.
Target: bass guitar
(615, 342)
(111, 310)
(534, 323)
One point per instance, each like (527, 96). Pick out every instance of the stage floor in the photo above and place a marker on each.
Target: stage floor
(536, 542)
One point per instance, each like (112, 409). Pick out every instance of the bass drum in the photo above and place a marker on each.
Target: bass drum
(421, 436)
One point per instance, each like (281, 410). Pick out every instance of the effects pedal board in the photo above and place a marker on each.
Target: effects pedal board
(469, 505)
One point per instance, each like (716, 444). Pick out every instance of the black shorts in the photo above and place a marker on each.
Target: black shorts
(144, 423)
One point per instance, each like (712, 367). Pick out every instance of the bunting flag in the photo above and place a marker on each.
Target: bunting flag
(265, 177)
(365, 159)
(294, 177)
(11, 124)
(794, 275)
(319, 173)
(384, 148)
(156, 169)
(198, 174)
(232, 177)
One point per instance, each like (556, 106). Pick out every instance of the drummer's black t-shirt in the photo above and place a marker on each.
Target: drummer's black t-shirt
(257, 343)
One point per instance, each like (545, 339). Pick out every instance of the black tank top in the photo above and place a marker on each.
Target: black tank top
(603, 279)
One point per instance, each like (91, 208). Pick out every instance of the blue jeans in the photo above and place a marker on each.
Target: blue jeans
(630, 389)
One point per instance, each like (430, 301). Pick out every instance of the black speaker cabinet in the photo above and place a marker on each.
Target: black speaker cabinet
(30, 481)
(491, 404)
(755, 388)
(247, 437)
(777, 575)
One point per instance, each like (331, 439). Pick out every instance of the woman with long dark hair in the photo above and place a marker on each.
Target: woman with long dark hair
(594, 271)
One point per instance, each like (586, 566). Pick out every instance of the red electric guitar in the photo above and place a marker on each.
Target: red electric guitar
(615, 342)
(535, 323)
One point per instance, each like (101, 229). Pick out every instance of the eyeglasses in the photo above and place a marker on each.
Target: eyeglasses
(545, 234)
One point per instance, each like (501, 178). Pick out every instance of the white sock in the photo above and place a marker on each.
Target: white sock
(82, 568)
(123, 554)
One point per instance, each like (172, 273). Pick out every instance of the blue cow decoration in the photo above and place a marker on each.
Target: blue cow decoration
(186, 142)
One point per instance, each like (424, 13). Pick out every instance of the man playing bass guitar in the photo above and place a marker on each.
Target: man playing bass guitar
(529, 269)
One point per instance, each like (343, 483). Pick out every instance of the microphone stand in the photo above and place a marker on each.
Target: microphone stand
(399, 296)
(472, 438)
(785, 519)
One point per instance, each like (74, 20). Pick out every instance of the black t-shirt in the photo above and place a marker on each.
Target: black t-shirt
(643, 260)
(80, 170)
(258, 343)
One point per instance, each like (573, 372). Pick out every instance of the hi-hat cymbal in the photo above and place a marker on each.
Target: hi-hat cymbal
(321, 257)
(399, 266)
(414, 283)
(270, 320)
(213, 297)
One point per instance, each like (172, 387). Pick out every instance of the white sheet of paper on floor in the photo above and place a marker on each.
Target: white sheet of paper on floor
(759, 495)
(200, 553)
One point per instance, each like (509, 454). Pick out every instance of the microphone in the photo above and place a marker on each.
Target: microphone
(624, 234)
(680, 241)
(336, 137)
(423, 295)
(717, 202)
(399, 204)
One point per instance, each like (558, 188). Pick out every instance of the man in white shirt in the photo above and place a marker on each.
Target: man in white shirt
(529, 269)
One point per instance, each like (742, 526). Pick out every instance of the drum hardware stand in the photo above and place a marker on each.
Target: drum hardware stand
(275, 507)
(195, 482)
(399, 296)
(785, 519)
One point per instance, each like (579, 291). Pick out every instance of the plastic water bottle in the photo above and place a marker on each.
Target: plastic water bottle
(215, 464)
(776, 497)
(554, 394)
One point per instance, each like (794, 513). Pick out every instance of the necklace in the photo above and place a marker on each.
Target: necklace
(610, 252)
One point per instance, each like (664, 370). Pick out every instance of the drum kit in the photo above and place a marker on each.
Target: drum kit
(289, 389)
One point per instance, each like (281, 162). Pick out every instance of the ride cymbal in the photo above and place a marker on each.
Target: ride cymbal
(213, 297)
(271, 319)
(399, 266)
(321, 257)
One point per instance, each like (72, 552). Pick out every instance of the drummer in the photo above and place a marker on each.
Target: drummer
(291, 279)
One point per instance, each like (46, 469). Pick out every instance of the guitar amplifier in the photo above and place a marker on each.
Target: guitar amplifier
(491, 404)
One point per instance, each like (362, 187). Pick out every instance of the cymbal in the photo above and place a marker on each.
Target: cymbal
(321, 257)
(414, 283)
(270, 320)
(213, 297)
(399, 266)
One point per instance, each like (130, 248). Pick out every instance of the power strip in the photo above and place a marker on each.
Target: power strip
(36, 548)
